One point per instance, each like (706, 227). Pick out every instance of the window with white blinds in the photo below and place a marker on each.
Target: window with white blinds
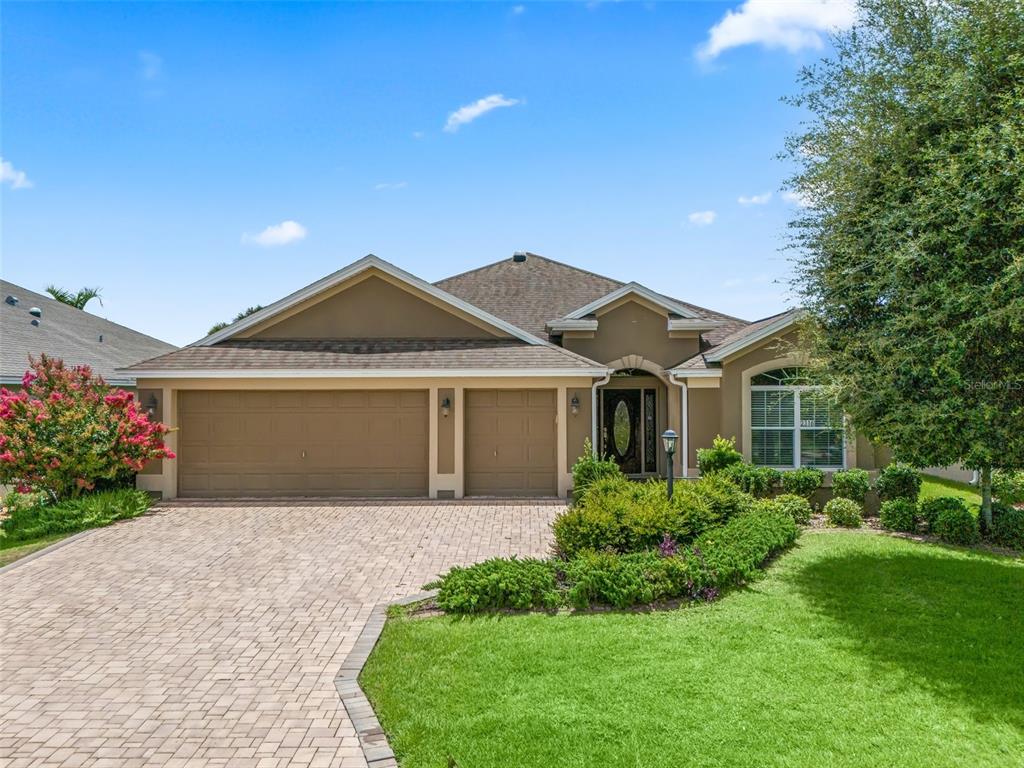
(793, 425)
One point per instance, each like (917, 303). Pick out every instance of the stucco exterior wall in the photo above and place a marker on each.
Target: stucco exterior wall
(633, 329)
(705, 420)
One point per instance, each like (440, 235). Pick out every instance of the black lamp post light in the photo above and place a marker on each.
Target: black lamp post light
(668, 439)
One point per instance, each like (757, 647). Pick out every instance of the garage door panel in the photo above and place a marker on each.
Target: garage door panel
(511, 443)
(252, 443)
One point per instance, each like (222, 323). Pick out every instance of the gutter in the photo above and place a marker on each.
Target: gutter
(593, 409)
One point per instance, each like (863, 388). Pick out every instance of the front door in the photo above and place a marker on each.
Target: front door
(622, 428)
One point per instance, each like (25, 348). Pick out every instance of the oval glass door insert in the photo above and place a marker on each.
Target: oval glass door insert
(622, 428)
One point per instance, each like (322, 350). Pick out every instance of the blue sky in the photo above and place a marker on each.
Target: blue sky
(193, 159)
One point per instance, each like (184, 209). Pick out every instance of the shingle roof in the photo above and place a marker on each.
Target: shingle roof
(360, 354)
(698, 362)
(534, 292)
(68, 333)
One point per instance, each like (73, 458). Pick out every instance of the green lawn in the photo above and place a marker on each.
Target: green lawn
(855, 649)
(932, 487)
(8, 554)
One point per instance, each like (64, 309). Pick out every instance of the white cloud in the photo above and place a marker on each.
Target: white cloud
(17, 179)
(702, 218)
(754, 199)
(471, 112)
(151, 66)
(277, 234)
(418, 134)
(789, 24)
(391, 185)
(518, 10)
(797, 199)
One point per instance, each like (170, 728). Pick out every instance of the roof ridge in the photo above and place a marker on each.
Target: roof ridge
(531, 254)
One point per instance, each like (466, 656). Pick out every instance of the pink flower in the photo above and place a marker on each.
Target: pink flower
(7, 456)
(28, 378)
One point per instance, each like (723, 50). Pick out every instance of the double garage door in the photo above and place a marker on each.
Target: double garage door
(358, 443)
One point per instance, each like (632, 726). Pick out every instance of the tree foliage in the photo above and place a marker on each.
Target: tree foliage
(240, 316)
(78, 300)
(65, 430)
(912, 167)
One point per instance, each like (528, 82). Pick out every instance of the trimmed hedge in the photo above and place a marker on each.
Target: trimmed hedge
(757, 481)
(852, 484)
(802, 482)
(955, 524)
(1008, 526)
(795, 506)
(899, 515)
(898, 481)
(36, 520)
(499, 584)
(723, 496)
(721, 557)
(843, 512)
(933, 508)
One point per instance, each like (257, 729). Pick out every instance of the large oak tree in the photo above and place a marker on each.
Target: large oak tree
(911, 166)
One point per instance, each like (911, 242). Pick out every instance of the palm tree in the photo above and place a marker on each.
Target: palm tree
(76, 300)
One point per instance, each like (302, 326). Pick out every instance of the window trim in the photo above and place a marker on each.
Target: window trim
(797, 429)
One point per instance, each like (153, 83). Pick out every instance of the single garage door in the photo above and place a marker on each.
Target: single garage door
(315, 443)
(511, 442)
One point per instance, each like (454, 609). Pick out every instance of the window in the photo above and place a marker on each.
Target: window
(792, 422)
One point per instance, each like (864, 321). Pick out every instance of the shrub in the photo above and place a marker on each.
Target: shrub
(852, 484)
(639, 578)
(797, 507)
(590, 468)
(843, 512)
(757, 481)
(1008, 526)
(33, 521)
(720, 455)
(619, 515)
(66, 430)
(899, 515)
(1008, 486)
(898, 481)
(723, 496)
(733, 552)
(955, 524)
(499, 584)
(802, 482)
(932, 508)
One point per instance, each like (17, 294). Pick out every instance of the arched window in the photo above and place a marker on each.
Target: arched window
(792, 422)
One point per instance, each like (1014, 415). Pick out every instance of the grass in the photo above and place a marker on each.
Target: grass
(933, 487)
(855, 649)
(16, 551)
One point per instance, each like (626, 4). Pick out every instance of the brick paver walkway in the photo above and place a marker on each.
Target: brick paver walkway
(211, 635)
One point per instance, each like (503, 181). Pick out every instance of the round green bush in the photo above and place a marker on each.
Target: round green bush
(499, 584)
(589, 468)
(956, 525)
(757, 481)
(852, 484)
(898, 481)
(899, 515)
(721, 454)
(932, 508)
(843, 512)
(723, 496)
(1008, 526)
(802, 482)
(795, 506)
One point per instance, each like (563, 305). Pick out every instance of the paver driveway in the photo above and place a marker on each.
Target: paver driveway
(211, 635)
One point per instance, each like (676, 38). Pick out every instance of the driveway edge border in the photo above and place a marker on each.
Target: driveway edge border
(372, 739)
(48, 549)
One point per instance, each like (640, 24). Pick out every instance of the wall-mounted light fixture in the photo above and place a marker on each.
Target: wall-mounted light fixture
(446, 407)
(575, 404)
(151, 404)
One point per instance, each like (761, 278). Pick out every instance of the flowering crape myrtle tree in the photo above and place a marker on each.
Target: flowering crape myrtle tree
(66, 429)
(911, 167)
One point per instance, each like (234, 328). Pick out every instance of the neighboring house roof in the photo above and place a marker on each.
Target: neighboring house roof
(75, 336)
(359, 357)
(532, 293)
(739, 340)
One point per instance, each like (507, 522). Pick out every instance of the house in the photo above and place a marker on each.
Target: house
(373, 382)
(33, 323)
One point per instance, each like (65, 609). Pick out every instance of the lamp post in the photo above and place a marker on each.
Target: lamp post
(668, 439)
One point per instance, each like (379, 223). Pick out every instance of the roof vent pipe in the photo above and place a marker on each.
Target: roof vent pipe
(36, 312)
(519, 257)
(12, 300)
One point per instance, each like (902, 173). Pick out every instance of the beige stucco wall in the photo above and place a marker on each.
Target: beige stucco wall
(705, 420)
(633, 329)
(445, 440)
(370, 308)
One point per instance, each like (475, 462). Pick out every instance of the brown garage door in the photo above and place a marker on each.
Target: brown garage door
(511, 443)
(329, 443)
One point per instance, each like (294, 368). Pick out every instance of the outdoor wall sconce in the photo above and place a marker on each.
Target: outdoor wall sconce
(151, 404)
(446, 407)
(668, 439)
(575, 404)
